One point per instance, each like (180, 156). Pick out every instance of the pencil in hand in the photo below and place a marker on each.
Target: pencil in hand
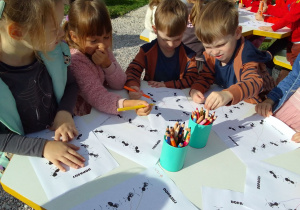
(133, 107)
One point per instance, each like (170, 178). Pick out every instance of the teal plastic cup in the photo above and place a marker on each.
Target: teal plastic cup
(199, 134)
(172, 158)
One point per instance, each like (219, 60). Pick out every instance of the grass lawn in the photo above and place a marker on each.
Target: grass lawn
(118, 8)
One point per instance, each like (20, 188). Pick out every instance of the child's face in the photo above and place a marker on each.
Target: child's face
(168, 44)
(223, 48)
(92, 43)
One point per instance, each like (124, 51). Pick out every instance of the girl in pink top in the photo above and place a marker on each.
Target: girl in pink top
(89, 35)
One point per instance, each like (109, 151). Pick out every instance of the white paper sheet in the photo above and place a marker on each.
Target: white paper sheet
(132, 138)
(171, 105)
(151, 189)
(214, 199)
(98, 162)
(269, 187)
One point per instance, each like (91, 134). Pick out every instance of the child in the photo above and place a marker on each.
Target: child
(149, 18)
(292, 19)
(230, 61)
(167, 62)
(89, 35)
(36, 90)
(189, 37)
(285, 100)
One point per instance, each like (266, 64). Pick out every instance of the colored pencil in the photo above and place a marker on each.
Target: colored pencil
(133, 90)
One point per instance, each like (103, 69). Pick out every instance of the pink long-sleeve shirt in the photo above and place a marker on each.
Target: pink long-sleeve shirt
(93, 82)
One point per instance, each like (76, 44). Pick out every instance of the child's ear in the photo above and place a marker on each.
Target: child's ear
(15, 31)
(154, 29)
(238, 32)
(74, 37)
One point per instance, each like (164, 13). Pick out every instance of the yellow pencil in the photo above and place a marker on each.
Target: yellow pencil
(132, 107)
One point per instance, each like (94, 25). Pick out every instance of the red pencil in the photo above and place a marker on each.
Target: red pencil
(133, 90)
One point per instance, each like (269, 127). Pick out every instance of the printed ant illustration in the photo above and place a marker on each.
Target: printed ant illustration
(230, 110)
(145, 186)
(98, 131)
(129, 196)
(137, 149)
(288, 180)
(150, 94)
(283, 141)
(263, 146)
(241, 126)
(153, 130)
(153, 100)
(273, 174)
(140, 126)
(232, 128)
(181, 106)
(253, 149)
(125, 144)
(273, 204)
(114, 205)
(55, 173)
(242, 103)
(274, 144)
(157, 115)
(84, 145)
(50, 163)
(120, 116)
(113, 137)
(236, 107)
(93, 155)
(178, 100)
(129, 121)
(156, 108)
(252, 125)
(226, 116)
(185, 113)
(175, 94)
(79, 136)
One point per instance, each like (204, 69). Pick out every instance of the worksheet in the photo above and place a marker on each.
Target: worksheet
(171, 105)
(131, 137)
(221, 199)
(98, 162)
(270, 187)
(151, 189)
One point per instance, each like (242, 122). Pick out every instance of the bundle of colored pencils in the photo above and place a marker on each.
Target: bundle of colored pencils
(178, 136)
(203, 117)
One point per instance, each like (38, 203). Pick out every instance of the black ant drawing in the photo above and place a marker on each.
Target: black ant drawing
(288, 180)
(79, 136)
(273, 204)
(181, 106)
(113, 137)
(178, 100)
(137, 149)
(145, 186)
(153, 130)
(125, 144)
(226, 116)
(129, 196)
(261, 122)
(140, 126)
(236, 107)
(93, 155)
(111, 204)
(153, 100)
(274, 144)
(263, 146)
(273, 174)
(84, 145)
(241, 126)
(50, 163)
(252, 125)
(232, 128)
(157, 115)
(55, 173)
(120, 116)
(150, 94)
(175, 94)
(129, 121)
(283, 141)
(242, 103)
(98, 131)
(185, 113)
(230, 110)
(253, 149)
(156, 108)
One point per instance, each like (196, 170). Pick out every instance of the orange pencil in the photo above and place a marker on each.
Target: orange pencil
(133, 90)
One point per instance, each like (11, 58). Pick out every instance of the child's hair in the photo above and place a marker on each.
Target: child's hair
(153, 3)
(218, 18)
(87, 18)
(171, 17)
(196, 9)
(31, 16)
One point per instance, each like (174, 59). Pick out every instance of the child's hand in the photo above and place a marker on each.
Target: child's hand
(266, 28)
(100, 57)
(259, 17)
(248, 8)
(135, 95)
(296, 137)
(241, 5)
(197, 96)
(64, 126)
(156, 84)
(142, 111)
(217, 99)
(60, 152)
(265, 108)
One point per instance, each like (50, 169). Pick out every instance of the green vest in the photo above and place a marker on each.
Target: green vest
(56, 63)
